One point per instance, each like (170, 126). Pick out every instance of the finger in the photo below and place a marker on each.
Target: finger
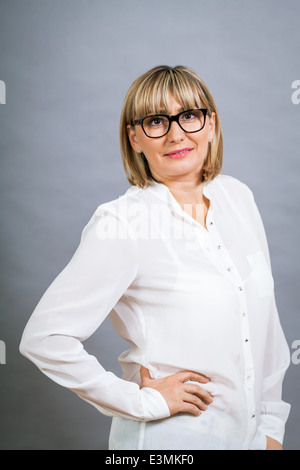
(194, 400)
(190, 408)
(144, 372)
(198, 391)
(186, 375)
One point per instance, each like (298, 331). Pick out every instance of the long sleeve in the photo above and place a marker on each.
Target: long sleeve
(74, 306)
(185, 298)
(274, 411)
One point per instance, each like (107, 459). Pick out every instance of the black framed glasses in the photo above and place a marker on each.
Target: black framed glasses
(158, 125)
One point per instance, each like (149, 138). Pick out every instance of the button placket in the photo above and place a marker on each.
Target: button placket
(214, 248)
(224, 262)
(221, 256)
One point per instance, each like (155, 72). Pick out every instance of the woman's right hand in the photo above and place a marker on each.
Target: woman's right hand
(180, 395)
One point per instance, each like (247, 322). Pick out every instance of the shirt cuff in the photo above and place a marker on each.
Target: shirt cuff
(154, 405)
(270, 424)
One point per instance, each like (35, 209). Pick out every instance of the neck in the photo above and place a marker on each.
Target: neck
(189, 194)
(185, 191)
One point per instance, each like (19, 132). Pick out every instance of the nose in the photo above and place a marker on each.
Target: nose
(175, 134)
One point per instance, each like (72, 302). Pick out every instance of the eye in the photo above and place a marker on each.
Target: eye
(189, 116)
(156, 121)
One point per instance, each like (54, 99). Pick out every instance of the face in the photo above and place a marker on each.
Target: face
(177, 156)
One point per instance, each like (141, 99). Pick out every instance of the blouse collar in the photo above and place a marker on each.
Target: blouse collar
(163, 192)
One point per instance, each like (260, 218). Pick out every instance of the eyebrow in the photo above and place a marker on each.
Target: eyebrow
(161, 111)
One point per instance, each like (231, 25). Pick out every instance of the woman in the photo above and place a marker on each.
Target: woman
(181, 264)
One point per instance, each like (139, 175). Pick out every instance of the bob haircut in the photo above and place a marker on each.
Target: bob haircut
(148, 95)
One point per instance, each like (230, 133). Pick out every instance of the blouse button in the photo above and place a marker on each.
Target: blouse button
(240, 288)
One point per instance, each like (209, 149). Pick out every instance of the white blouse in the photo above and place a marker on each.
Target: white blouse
(185, 298)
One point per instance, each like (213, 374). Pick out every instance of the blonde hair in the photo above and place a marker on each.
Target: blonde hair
(147, 95)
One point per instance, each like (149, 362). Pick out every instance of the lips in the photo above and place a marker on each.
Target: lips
(178, 153)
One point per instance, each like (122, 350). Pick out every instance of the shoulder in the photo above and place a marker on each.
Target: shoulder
(230, 183)
(114, 215)
(119, 206)
(233, 187)
(228, 190)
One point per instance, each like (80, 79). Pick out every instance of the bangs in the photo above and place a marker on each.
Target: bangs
(152, 96)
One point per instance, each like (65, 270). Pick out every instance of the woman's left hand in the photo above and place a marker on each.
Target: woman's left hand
(180, 395)
(273, 445)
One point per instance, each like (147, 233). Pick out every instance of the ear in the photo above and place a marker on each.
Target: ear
(133, 138)
(212, 126)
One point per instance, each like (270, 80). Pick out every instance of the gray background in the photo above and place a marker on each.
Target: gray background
(67, 65)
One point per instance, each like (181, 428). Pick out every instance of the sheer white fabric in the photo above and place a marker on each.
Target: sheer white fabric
(185, 298)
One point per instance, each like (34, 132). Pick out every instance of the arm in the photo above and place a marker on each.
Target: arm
(70, 311)
(272, 444)
(274, 412)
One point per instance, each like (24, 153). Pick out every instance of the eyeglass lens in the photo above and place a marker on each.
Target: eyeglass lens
(189, 121)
